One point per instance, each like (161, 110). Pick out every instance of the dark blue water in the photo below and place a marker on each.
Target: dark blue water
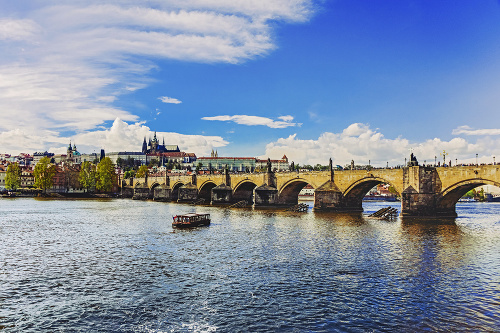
(117, 266)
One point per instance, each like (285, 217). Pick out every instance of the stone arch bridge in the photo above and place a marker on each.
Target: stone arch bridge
(424, 191)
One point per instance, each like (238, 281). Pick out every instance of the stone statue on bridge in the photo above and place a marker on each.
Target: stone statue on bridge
(331, 169)
(413, 160)
(269, 165)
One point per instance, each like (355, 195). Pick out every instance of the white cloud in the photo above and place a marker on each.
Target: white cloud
(169, 100)
(64, 63)
(362, 144)
(466, 130)
(16, 30)
(285, 121)
(121, 136)
(129, 137)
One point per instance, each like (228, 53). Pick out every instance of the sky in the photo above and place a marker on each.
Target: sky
(363, 80)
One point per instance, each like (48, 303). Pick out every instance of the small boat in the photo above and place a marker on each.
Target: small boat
(191, 220)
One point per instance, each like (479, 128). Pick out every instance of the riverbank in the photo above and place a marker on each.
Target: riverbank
(59, 195)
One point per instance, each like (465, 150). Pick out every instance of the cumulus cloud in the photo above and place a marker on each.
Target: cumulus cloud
(64, 63)
(362, 144)
(466, 130)
(285, 121)
(169, 100)
(121, 136)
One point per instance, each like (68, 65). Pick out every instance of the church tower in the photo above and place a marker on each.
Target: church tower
(144, 146)
(154, 144)
(69, 156)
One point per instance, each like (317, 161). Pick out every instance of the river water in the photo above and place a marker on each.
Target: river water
(117, 266)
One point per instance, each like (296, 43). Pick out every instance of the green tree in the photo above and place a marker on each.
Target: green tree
(142, 172)
(105, 175)
(120, 162)
(470, 194)
(198, 167)
(319, 167)
(393, 191)
(87, 176)
(129, 174)
(154, 163)
(480, 195)
(44, 174)
(13, 176)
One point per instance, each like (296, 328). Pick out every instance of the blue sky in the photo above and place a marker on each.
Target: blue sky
(362, 80)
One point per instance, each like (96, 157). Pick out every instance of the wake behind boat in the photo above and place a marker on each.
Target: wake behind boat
(191, 220)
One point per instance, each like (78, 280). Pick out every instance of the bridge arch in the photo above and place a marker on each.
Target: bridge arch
(289, 191)
(175, 190)
(244, 190)
(154, 185)
(140, 184)
(205, 190)
(449, 197)
(354, 194)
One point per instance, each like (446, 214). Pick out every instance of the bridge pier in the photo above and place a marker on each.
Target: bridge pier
(265, 196)
(141, 192)
(162, 193)
(188, 192)
(221, 194)
(127, 192)
(328, 197)
(421, 187)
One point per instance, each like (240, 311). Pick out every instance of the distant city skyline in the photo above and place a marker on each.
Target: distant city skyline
(352, 80)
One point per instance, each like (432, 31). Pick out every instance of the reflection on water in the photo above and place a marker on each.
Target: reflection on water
(117, 265)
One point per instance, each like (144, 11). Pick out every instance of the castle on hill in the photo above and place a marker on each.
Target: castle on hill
(153, 147)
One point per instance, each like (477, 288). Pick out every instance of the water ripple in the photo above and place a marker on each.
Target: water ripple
(114, 265)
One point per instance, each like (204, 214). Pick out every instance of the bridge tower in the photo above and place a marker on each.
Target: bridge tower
(267, 194)
(421, 187)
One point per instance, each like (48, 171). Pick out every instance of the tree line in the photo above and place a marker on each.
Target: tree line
(92, 176)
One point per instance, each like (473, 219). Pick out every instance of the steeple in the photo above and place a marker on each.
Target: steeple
(70, 152)
(144, 146)
(164, 141)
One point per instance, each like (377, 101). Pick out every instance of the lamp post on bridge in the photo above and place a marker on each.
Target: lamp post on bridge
(435, 160)
(444, 153)
(476, 160)
(456, 161)
(494, 160)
